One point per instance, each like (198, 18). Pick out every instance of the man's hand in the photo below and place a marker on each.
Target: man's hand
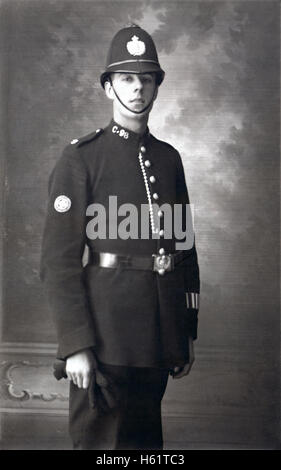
(79, 367)
(182, 371)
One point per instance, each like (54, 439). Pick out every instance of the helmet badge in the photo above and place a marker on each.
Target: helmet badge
(135, 46)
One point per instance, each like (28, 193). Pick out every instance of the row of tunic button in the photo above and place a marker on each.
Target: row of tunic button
(160, 214)
(155, 196)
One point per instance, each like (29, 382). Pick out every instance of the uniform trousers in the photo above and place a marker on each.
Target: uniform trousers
(135, 423)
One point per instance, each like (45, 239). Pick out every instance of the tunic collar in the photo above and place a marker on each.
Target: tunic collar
(126, 135)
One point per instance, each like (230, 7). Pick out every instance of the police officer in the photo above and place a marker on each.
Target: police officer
(132, 311)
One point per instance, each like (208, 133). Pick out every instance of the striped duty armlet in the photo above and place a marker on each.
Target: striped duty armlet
(192, 300)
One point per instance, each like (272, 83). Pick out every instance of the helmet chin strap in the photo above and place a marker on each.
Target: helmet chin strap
(131, 110)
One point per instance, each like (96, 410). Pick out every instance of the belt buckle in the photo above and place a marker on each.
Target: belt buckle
(162, 263)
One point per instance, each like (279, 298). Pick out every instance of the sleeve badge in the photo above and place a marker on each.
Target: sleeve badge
(62, 203)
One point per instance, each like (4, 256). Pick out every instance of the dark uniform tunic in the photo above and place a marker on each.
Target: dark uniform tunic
(131, 317)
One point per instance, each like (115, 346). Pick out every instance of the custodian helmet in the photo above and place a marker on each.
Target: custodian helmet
(132, 50)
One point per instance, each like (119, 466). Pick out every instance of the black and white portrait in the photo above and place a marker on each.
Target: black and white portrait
(219, 106)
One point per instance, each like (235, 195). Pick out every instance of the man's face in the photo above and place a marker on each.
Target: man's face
(136, 91)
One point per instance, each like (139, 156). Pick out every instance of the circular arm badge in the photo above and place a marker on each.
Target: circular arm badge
(62, 203)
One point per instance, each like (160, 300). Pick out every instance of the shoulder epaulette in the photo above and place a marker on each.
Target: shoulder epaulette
(87, 138)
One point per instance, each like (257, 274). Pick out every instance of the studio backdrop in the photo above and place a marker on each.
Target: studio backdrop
(219, 106)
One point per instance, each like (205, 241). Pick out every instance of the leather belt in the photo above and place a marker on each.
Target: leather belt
(158, 263)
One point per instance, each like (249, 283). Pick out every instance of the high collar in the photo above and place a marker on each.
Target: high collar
(124, 135)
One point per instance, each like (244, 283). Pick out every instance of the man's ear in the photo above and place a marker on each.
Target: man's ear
(109, 90)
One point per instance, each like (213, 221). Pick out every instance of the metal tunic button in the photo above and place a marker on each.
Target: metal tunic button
(143, 149)
(74, 141)
(147, 163)
(160, 213)
(152, 179)
(155, 196)
(161, 251)
(161, 272)
(161, 233)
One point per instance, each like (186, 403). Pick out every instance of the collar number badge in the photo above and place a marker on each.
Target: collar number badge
(135, 46)
(62, 203)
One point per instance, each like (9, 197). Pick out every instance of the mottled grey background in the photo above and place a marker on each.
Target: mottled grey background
(219, 105)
